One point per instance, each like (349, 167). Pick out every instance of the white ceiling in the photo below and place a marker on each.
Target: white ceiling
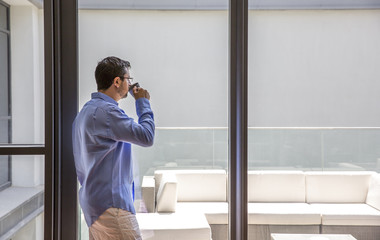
(213, 4)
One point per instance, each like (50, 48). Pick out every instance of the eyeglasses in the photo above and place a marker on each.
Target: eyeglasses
(129, 79)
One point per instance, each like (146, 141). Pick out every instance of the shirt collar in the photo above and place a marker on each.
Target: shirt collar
(104, 97)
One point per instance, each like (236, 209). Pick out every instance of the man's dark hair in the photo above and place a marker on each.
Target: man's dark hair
(108, 69)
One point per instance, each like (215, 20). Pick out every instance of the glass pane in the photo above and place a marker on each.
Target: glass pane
(22, 203)
(181, 58)
(23, 98)
(314, 149)
(3, 17)
(4, 171)
(4, 89)
(21, 121)
(312, 108)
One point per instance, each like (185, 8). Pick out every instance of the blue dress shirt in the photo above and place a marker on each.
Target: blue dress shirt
(102, 137)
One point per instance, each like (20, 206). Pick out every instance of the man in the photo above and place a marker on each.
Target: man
(102, 138)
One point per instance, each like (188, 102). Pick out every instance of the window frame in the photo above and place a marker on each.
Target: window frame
(61, 103)
(61, 106)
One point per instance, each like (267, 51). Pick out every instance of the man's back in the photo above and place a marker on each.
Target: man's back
(103, 153)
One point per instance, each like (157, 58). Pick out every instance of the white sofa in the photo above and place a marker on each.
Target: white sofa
(279, 201)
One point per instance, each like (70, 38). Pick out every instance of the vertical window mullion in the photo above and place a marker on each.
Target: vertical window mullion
(238, 122)
(60, 24)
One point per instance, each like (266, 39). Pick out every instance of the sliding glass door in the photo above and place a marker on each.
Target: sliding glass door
(179, 53)
(313, 81)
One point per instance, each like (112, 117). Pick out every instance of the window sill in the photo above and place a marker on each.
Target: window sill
(18, 206)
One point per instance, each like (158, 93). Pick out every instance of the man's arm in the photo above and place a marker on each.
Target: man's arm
(124, 128)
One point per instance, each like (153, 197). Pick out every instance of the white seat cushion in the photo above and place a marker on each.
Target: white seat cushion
(148, 195)
(348, 214)
(337, 187)
(215, 212)
(167, 194)
(276, 186)
(198, 185)
(156, 226)
(373, 196)
(283, 214)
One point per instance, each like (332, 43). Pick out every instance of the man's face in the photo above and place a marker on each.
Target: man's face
(124, 86)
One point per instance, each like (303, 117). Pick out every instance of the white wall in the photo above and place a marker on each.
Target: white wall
(27, 92)
(314, 68)
(179, 56)
(306, 68)
(27, 99)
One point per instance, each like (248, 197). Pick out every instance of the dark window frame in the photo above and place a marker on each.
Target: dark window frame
(61, 106)
(61, 103)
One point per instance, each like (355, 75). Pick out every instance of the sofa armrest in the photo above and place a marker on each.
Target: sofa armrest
(373, 196)
(148, 193)
(167, 194)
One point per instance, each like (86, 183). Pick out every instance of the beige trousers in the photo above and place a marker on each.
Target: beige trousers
(115, 224)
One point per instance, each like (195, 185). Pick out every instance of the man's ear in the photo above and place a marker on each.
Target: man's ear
(116, 82)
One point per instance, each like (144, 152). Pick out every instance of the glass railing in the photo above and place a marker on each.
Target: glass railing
(314, 148)
(268, 149)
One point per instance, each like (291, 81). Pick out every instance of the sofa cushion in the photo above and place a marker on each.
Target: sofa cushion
(359, 214)
(167, 194)
(199, 185)
(154, 226)
(215, 212)
(283, 214)
(373, 196)
(148, 195)
(337, 187)
(276, 186)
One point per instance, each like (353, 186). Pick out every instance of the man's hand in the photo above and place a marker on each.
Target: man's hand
(139, 92)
